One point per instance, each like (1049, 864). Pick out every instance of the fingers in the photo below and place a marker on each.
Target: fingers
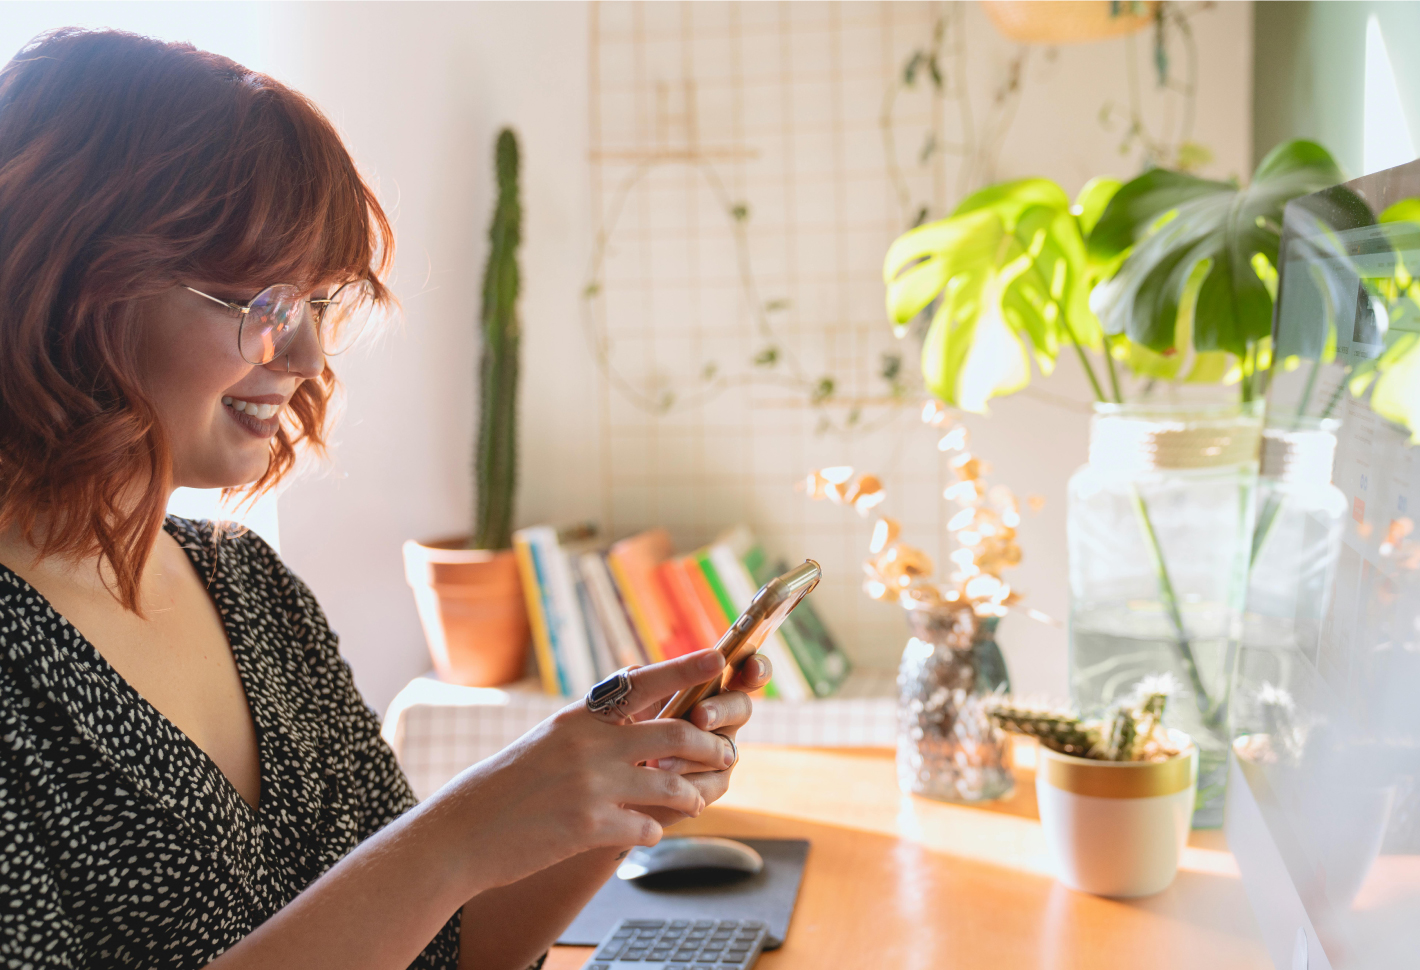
(651, 786)
(651, 685)
(755, 673)
(722, 711)
(674, 738)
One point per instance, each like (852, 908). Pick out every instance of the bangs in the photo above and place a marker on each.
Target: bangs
(288, 205)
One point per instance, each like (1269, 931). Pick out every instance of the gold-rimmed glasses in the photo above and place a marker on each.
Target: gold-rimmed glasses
(270, 321)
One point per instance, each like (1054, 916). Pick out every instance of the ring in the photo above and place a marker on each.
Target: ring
(610, 694)
(734, 748)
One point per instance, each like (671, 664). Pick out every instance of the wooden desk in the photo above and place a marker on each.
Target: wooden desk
(911, 884)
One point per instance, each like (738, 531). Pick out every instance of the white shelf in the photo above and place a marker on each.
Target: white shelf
(439, 729)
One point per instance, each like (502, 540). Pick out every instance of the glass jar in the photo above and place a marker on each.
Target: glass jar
(1298, 536)
(948, 747)
(1159, 527)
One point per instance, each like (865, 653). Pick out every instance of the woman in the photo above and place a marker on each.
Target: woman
(188, 775)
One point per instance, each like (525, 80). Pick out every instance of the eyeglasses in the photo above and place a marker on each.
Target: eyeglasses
(272, 318)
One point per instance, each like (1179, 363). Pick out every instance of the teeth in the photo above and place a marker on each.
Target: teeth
(262, 412)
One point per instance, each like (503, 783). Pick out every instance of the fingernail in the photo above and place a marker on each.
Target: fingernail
(711, 661)
(729, 757)
(701, 807)
(762, 666)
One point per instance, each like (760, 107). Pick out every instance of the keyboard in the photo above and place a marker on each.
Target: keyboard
(681, 944)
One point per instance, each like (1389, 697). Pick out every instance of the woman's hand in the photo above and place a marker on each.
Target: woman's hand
(580, 781)
(723, 714)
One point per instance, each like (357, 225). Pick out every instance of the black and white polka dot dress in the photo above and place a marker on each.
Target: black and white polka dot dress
(121, 843)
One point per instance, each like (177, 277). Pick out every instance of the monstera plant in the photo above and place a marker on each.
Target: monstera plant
(1169, 276)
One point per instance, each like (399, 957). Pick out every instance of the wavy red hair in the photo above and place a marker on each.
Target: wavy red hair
(128, 165)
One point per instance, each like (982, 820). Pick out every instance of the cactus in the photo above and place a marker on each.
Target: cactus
(1129, 732)
(1061, 732)
(495, 458)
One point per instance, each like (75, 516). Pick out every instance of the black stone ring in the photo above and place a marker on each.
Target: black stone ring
(610, 694)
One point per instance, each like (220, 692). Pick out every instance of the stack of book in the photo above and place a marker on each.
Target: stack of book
(597, 610)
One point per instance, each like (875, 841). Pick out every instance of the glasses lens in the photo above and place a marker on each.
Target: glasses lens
(346, 316)
(273, 320)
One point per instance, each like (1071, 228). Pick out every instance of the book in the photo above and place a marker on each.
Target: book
(535, 593)
(611, 611)
(788, 680)
(563, 619)
(824, 665)
(633, 565)
(679, 587)
(603, 660)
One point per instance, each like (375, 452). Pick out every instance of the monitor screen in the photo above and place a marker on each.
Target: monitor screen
(1324, 803)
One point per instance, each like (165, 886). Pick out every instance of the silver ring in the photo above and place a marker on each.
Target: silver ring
(734, 748)
(610, 693)
(288, 363)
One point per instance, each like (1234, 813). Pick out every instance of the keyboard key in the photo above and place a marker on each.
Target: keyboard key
(599, 966)
(752, 923)
(733, 958)
(653, 924)
(679, 922)
(702, 966)
(609, 951)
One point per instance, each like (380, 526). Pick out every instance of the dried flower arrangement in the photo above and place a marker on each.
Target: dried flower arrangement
(984, 530)
(1132, 731)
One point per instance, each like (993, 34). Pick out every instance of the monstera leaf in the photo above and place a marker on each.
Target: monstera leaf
(1010, 279)
(1167, 226)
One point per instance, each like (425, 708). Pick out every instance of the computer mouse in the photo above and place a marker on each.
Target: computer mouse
(690, 861)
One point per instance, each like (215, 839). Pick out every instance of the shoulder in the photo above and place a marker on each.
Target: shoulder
(234, 554)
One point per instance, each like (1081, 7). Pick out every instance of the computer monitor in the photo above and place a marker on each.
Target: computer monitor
(1323, 806)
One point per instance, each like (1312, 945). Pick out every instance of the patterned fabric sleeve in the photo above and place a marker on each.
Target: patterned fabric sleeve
(35, 930)
(380, 789)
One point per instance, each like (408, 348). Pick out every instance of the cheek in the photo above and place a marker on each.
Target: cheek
(185, 371)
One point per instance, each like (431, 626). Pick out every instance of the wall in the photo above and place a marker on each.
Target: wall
(420, 90)
(1309, 72)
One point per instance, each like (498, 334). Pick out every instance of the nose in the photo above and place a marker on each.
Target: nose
(303, 355)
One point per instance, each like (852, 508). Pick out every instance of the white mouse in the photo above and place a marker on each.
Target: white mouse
(689, 860)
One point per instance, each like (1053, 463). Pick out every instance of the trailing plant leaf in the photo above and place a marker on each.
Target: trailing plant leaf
(1169, 223)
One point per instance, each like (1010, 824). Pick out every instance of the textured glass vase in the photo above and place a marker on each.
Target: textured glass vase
(1160, 533)
(947, 746)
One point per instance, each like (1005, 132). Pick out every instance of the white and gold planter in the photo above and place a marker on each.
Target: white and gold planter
(1116, 828)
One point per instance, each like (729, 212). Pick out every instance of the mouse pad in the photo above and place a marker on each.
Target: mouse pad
(768, 895)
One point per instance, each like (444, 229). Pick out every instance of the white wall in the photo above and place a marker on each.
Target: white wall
(420, 91)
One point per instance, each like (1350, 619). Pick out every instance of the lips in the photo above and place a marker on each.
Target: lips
(260, 418)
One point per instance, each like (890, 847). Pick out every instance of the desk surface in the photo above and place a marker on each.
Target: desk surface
(909, 883)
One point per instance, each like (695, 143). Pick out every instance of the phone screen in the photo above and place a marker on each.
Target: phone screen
(774, 601)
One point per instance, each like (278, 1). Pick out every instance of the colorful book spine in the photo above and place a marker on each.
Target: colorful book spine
(789, 682)
(534, 593)
(680, 593)
(603, 662)
(611, 611)
(823, 664)
(566, 624)
(633, 565)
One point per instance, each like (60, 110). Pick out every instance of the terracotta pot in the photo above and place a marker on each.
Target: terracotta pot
(472, 609)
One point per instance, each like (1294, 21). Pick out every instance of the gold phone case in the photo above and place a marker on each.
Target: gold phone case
(775, 600)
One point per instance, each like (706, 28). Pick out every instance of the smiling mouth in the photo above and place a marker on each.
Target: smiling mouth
(261, 420)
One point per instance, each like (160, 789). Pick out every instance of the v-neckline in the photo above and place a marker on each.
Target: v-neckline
(236, 804)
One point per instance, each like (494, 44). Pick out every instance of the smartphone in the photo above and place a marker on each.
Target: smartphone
(774, 601)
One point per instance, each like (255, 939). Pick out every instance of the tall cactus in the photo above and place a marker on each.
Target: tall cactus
(495, 462)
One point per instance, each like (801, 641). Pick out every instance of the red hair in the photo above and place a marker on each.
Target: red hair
(128, 165)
